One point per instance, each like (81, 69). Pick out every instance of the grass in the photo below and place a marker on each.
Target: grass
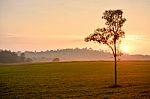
(77, 80)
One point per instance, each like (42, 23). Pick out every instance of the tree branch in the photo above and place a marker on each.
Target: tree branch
(111, 49)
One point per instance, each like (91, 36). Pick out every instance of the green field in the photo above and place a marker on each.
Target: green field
(77, 80)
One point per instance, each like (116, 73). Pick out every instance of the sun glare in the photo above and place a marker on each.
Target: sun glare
(124, 49)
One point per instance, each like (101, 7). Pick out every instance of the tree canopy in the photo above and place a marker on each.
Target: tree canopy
(112, 33)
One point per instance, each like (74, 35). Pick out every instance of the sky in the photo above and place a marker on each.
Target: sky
(58, 24)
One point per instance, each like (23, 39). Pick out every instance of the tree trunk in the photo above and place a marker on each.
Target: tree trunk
(115, 71)
(115, 68)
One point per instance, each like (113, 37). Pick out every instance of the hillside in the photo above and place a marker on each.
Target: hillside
(77, 54)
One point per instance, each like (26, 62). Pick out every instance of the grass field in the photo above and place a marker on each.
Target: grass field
(77, 80)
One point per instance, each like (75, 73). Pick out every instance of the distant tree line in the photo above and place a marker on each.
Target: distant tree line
(6, 56)
(69, 54)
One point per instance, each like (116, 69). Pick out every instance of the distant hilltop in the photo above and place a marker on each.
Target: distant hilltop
(84, 54)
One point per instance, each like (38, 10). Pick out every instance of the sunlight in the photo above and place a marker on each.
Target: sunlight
(124, 49)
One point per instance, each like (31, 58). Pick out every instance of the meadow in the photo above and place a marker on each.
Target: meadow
(75, 80)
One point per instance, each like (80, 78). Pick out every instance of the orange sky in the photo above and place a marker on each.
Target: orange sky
(54, 24)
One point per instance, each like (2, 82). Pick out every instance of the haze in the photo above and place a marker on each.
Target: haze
(57, 24)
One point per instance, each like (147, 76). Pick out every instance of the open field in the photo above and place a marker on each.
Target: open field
(77, 80)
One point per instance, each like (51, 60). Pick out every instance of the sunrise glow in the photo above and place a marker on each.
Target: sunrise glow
(124, 49)
(58, 24)
(75, 49)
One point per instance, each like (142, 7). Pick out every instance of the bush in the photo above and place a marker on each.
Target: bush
(56, 60)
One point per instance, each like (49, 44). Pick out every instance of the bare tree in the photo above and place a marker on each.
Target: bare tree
(110, 35)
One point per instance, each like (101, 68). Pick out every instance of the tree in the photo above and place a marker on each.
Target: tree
(22, 56)
(10, 57)
(56, 60)
(111, 34)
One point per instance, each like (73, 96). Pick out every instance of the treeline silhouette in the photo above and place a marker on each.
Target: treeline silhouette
(68, 54)
(79, 54)
(6, 56)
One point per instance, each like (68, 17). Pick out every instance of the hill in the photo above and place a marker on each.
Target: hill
(77, 54)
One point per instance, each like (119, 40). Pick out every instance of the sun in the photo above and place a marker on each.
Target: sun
(124, 49)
